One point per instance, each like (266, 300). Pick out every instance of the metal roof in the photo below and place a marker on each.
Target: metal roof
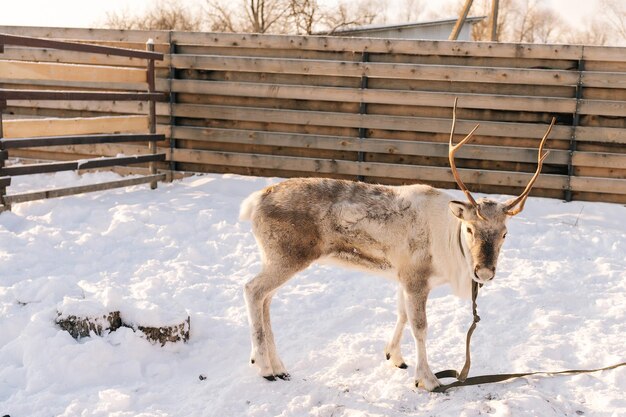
(378, 28)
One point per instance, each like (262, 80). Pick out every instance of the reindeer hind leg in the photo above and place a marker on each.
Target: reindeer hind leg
(258, 293)
(392, 350)
(290, 242)
(277, 365)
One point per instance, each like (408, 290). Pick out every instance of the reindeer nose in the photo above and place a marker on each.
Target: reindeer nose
(484, 274)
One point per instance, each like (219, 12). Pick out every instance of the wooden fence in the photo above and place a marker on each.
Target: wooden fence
(18, 137)
(371, 109)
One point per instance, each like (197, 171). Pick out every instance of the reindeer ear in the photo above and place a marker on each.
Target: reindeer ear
(461, 210)
(508, 208)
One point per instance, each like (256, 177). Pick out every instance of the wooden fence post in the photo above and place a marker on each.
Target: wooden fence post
(152, 146)
(460, 21)
(493, 20)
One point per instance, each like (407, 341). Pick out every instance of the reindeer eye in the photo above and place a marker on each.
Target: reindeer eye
(470, 231)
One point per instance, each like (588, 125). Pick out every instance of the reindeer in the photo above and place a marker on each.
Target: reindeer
(415, 234)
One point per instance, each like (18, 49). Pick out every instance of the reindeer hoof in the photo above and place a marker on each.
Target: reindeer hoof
(403, 366)
(270, 378)
(284, 377)
(425, 384)
(388, 356)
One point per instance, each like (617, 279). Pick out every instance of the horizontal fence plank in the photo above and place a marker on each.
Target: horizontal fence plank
(514, 130)
(470, 176)
(75, 152)
(81, 189)
(397, 97)
(73, 57)
(603, 107)
(599, 185)
(603, 53)
(599, 159)
(398, 46)
(329, 43)
(162, 109)
(24, 128)
(21, 70)
(91, 34)
(14, 94)
(76, 140)
(72, 46)
(603, 79)
(378, 70)
(385, 146)
(79, 152)
(79, 165)
(71, 85)
(601, 135)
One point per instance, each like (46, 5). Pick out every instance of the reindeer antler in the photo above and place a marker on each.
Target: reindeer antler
(452, 150)
(521, 200)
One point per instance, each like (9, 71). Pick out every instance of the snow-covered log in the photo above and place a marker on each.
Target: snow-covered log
(81, 317)
(83, 326)
(166, 334)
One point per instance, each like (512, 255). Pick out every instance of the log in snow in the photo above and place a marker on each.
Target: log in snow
(80, 318)
(83, 326)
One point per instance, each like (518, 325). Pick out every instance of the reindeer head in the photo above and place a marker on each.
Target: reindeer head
(483, 222)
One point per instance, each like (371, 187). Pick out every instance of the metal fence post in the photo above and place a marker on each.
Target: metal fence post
(152, 146)
(575, 123)
(3, 156)
(363, 110)
(172, 102)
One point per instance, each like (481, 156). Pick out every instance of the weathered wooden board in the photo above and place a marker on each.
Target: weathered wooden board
(67, 191)
(390, 46)
(384, 146)
(25, 128)
(488, 128)
(378, 70)
(395, 97)
(360, 168)
(20, 70)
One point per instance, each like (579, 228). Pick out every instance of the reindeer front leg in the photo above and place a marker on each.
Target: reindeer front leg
(415, 301)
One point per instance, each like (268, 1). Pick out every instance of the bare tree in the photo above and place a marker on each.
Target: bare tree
(528, 21)
(614, 12)
(163, 15)
(288, 16)
(349, 14)
(253, 16)
(304, 16)
(595, 33)
(222, 18)
(536, 23)
(263, 14)
(409, 11)
(480, 30)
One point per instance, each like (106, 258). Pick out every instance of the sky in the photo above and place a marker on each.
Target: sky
(90, 13)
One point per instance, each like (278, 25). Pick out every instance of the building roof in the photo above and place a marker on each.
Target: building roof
(380, 28)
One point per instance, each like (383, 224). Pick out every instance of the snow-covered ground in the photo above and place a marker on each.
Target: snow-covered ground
(558, 302)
